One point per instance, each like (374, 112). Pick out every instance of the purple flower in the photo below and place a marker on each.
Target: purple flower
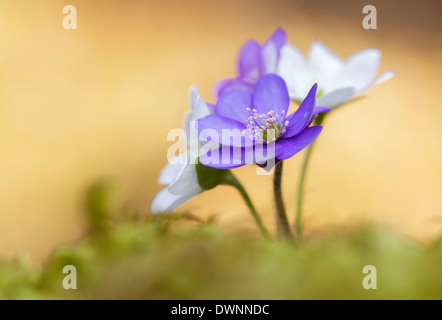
(254, 61)
(253, 127)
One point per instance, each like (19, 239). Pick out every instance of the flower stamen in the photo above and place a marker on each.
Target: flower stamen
(265, 127)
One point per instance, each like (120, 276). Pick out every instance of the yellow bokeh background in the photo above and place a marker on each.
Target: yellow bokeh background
(80, 105)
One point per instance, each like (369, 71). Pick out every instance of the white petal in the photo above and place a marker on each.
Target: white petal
(293, 68)
(193, 95)
(171, 170)
(186, 181)
(166, 202)
(383, 77)
(193, 143)
(187, 122)
(361, 68)
(336, 97)
(200, 109)
(324, 61)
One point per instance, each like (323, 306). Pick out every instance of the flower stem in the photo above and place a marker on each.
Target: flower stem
(302, 181)
(298, 223)
(281, 216)
(232, 181)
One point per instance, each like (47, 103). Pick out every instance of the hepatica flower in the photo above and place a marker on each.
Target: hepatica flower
(180, 174)
(250, 124)
(338, 80)
(253, 127)
(186, 177)
(254, 61)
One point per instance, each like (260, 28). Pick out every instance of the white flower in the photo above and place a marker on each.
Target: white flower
(338, 80)
(180, 174)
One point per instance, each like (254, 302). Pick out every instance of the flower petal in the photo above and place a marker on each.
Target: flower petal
(295, 71)
(223, 131)
(227, 85)
(200, 109)
(224, 157)
(361, 67)
(279, 38)
(249, 61)
(286, 148)
(270, 51)
(259, 153)
(232, 157)
(193, 95)
(299, 119)
(271, 94)
(336, 97)
(234, 104)
(383, 77)
(185, 181)
(171, 169)
(324, 61)
(166, 202)
(270, 54)
(319, 109)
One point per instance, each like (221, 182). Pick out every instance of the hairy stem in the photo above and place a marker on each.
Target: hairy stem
(232, 181)
(302, 181)
(282, 222)
(298, 223)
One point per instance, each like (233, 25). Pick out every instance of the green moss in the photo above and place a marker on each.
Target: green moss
(139, 260)
(163, 258)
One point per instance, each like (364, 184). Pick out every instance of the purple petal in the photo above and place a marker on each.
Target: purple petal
(232, 157)
(286, 148)
(224, 158)
(271, 94)
(279, 38)
(299, 119)
(222, 130)
(234, 104)
(227, 85)
(259, 153)
(270, 51)
(250, 62)
(319, 109)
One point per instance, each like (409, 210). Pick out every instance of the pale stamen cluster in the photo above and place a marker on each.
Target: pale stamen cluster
(265, 127)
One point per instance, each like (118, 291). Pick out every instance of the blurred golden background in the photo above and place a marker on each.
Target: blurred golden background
(80, 105)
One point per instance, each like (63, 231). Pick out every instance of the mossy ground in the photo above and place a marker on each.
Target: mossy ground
(147, 259)
(139, 261)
